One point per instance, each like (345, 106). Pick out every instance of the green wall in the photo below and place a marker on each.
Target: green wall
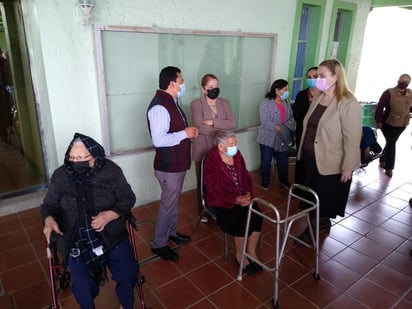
(63, 61)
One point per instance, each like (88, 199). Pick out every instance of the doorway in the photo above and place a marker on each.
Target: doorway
(21, 158)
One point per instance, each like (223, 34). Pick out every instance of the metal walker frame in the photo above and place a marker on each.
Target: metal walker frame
(287, 221)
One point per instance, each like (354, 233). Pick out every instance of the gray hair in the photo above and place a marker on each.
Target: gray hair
(221, 136)
(77, 140)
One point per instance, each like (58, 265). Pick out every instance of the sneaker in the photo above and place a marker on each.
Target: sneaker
(204, 219)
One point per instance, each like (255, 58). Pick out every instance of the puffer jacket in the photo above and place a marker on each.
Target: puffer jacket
(107, 189)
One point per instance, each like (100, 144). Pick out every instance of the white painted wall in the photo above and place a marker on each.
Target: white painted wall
(64, 66)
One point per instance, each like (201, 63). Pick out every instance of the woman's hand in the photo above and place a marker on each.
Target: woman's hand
(50, 225)
(278, 128)
(345, 176)
(243, 200)
(104, 217)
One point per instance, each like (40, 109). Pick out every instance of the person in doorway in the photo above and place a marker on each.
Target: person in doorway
(6, 115)
(86, 207)
(209, 114)
(171, 136)
(392, 117)
(300, 108)
(276, 133)
(330, 149)
(229, 191)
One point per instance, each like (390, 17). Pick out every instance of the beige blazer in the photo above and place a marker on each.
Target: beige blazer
(338, 136)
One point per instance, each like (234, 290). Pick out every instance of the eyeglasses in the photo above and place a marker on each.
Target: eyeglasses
(78, 158)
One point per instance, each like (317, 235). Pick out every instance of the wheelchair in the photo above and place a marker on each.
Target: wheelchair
(60, 276)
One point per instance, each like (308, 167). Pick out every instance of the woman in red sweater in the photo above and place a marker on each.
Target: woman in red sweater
(229, 190)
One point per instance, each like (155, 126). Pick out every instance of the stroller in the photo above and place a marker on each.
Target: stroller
(370, 148)
(60, 277)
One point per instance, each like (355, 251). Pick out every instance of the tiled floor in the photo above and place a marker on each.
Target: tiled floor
(364, 260)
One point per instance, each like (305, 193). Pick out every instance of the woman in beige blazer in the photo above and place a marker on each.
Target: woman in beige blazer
(210, 113)
(330, 147)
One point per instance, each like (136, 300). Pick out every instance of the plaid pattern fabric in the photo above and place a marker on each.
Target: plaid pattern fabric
(88, 242)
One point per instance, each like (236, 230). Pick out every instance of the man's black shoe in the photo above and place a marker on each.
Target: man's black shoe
(166, 253)
(180, 238)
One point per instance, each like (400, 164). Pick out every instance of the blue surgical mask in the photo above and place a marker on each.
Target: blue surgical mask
(182, 91)
(231, 151)
(311, 82)
(285, 95)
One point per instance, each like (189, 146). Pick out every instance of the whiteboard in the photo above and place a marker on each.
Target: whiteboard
(129, 60)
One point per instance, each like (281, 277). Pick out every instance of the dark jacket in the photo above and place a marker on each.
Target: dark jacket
(106, 188)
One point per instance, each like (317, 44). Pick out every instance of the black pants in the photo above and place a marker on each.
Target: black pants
(391, 135)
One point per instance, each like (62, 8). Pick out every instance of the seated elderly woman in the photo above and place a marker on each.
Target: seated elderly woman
(86, 207)
(229, 190)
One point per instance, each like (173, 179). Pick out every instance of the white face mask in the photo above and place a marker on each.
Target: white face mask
(231, 151)
(182, 91)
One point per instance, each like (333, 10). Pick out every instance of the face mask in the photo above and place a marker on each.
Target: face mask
(321, 84)
(231, 151)
(213, 93)
(402, 85)
(81, 167)
(311, 82)
(285, 95)
(182, 91)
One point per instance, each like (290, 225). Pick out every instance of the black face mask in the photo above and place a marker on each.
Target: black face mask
(213, 93)
(81, 167)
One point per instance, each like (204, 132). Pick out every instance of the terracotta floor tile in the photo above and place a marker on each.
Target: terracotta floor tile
(239, 297)
(261, 285)
(291, 299)
(355, 224)
(179, 293)
(371, 216)
(22, 277)
(212, 246)
(203, 304)
(397, 228)
(30, 217)
(15, 257)
(319, 292)
(338, 274)
(372, 248)
(343, 234)
(10, 223)
(6, 302)
(13, 240)
(26, 298)
(355, 260)
(393, 201)
(331, 247)
(209, 278)
(386, 237)
(390, 279)
(404, 217)
(372, 295)
(159, 272)
(382, 209)
(400, 262)
(346, 301)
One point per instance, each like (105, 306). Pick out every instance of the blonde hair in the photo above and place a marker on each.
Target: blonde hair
(341, 88)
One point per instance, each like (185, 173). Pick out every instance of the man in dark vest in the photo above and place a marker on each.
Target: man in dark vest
(171, 138)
